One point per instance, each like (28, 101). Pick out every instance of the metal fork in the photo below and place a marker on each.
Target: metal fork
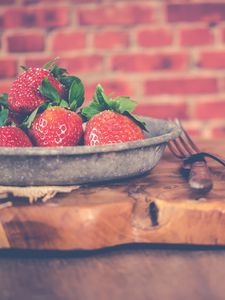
(192, 151)
(184, 148)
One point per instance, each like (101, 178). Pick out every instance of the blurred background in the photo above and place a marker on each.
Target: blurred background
(168, 55)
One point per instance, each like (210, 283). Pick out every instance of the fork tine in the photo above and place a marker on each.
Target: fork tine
(179, 147)
(182, 146)
(175, 148)
(187, 136)
(187, 145)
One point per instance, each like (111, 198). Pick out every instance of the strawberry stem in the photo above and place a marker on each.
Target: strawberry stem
(24, 68)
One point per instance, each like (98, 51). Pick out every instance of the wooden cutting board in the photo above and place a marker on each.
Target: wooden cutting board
(156, 208)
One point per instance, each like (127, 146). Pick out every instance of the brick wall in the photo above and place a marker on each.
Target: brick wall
(168, 55)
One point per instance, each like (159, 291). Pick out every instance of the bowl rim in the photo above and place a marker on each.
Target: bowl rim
(173, 132)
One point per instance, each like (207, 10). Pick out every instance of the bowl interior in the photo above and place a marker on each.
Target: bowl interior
(159, 131)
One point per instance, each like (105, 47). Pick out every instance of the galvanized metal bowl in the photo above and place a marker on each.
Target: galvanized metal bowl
(84, 164)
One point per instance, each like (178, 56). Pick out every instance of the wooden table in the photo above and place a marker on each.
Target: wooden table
(126, 272)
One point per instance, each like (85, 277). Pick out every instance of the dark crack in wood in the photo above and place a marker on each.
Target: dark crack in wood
(153, 213)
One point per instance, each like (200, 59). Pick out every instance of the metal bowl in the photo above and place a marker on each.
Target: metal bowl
(84, 164)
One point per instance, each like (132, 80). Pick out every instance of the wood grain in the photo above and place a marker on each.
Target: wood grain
(156, 208)
(128, 273)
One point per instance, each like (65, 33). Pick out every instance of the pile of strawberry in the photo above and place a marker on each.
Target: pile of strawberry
(43, 108)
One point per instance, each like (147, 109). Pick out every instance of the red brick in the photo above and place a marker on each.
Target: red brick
(2, 2)
(162, 110)
(212, 60)
(154, 37)
(193, 85)
(112, 87)
(111, 39)
(193, 132)
(53, 17)
(210, 110)
(146, 62)
(49, 17)
(218, 132)
(83, 63)
(84, 1)
(37, 62)
(8, 68)
(29, 42)
(115, 15)
(196, 37)
(195, 12)
(223, 34)
(1, 21)
(73, 64)
(66, 41)
(63, 1)
(19, 17)
(27, 2)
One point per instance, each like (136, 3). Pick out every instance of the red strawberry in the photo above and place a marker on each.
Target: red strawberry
(56, 126)
(111, 121)
(10, 136)
(7, 117)
(109, 127)
(24, 95)
(13, 137)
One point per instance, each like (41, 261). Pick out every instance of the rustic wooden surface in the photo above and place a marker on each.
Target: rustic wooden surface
(129, 273)
(157, 208)
(126, 272)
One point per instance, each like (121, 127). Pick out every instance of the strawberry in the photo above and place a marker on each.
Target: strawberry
(10, 136)
(110, 127)
(56, 126)
(24, 95)
(55, 122)
(12, 117)
(111, 121)
(13, 137)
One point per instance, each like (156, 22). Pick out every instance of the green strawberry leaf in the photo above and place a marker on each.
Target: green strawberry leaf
(136, 119)
(67, 81)
(100, 103)
(101, 97)
(57, 72)
(114, 105)
(125, 104)
(24, 68)
(119, 104)
(64, 104)
(4, 100)
(49, 92)
(76, 92)
(92, 109)
(73, 105)
(4, 116)
(48, 64)
(29, 120)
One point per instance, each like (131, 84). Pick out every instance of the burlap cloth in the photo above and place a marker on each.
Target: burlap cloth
(32, 193)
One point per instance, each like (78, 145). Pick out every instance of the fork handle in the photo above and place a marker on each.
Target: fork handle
(199, 177)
